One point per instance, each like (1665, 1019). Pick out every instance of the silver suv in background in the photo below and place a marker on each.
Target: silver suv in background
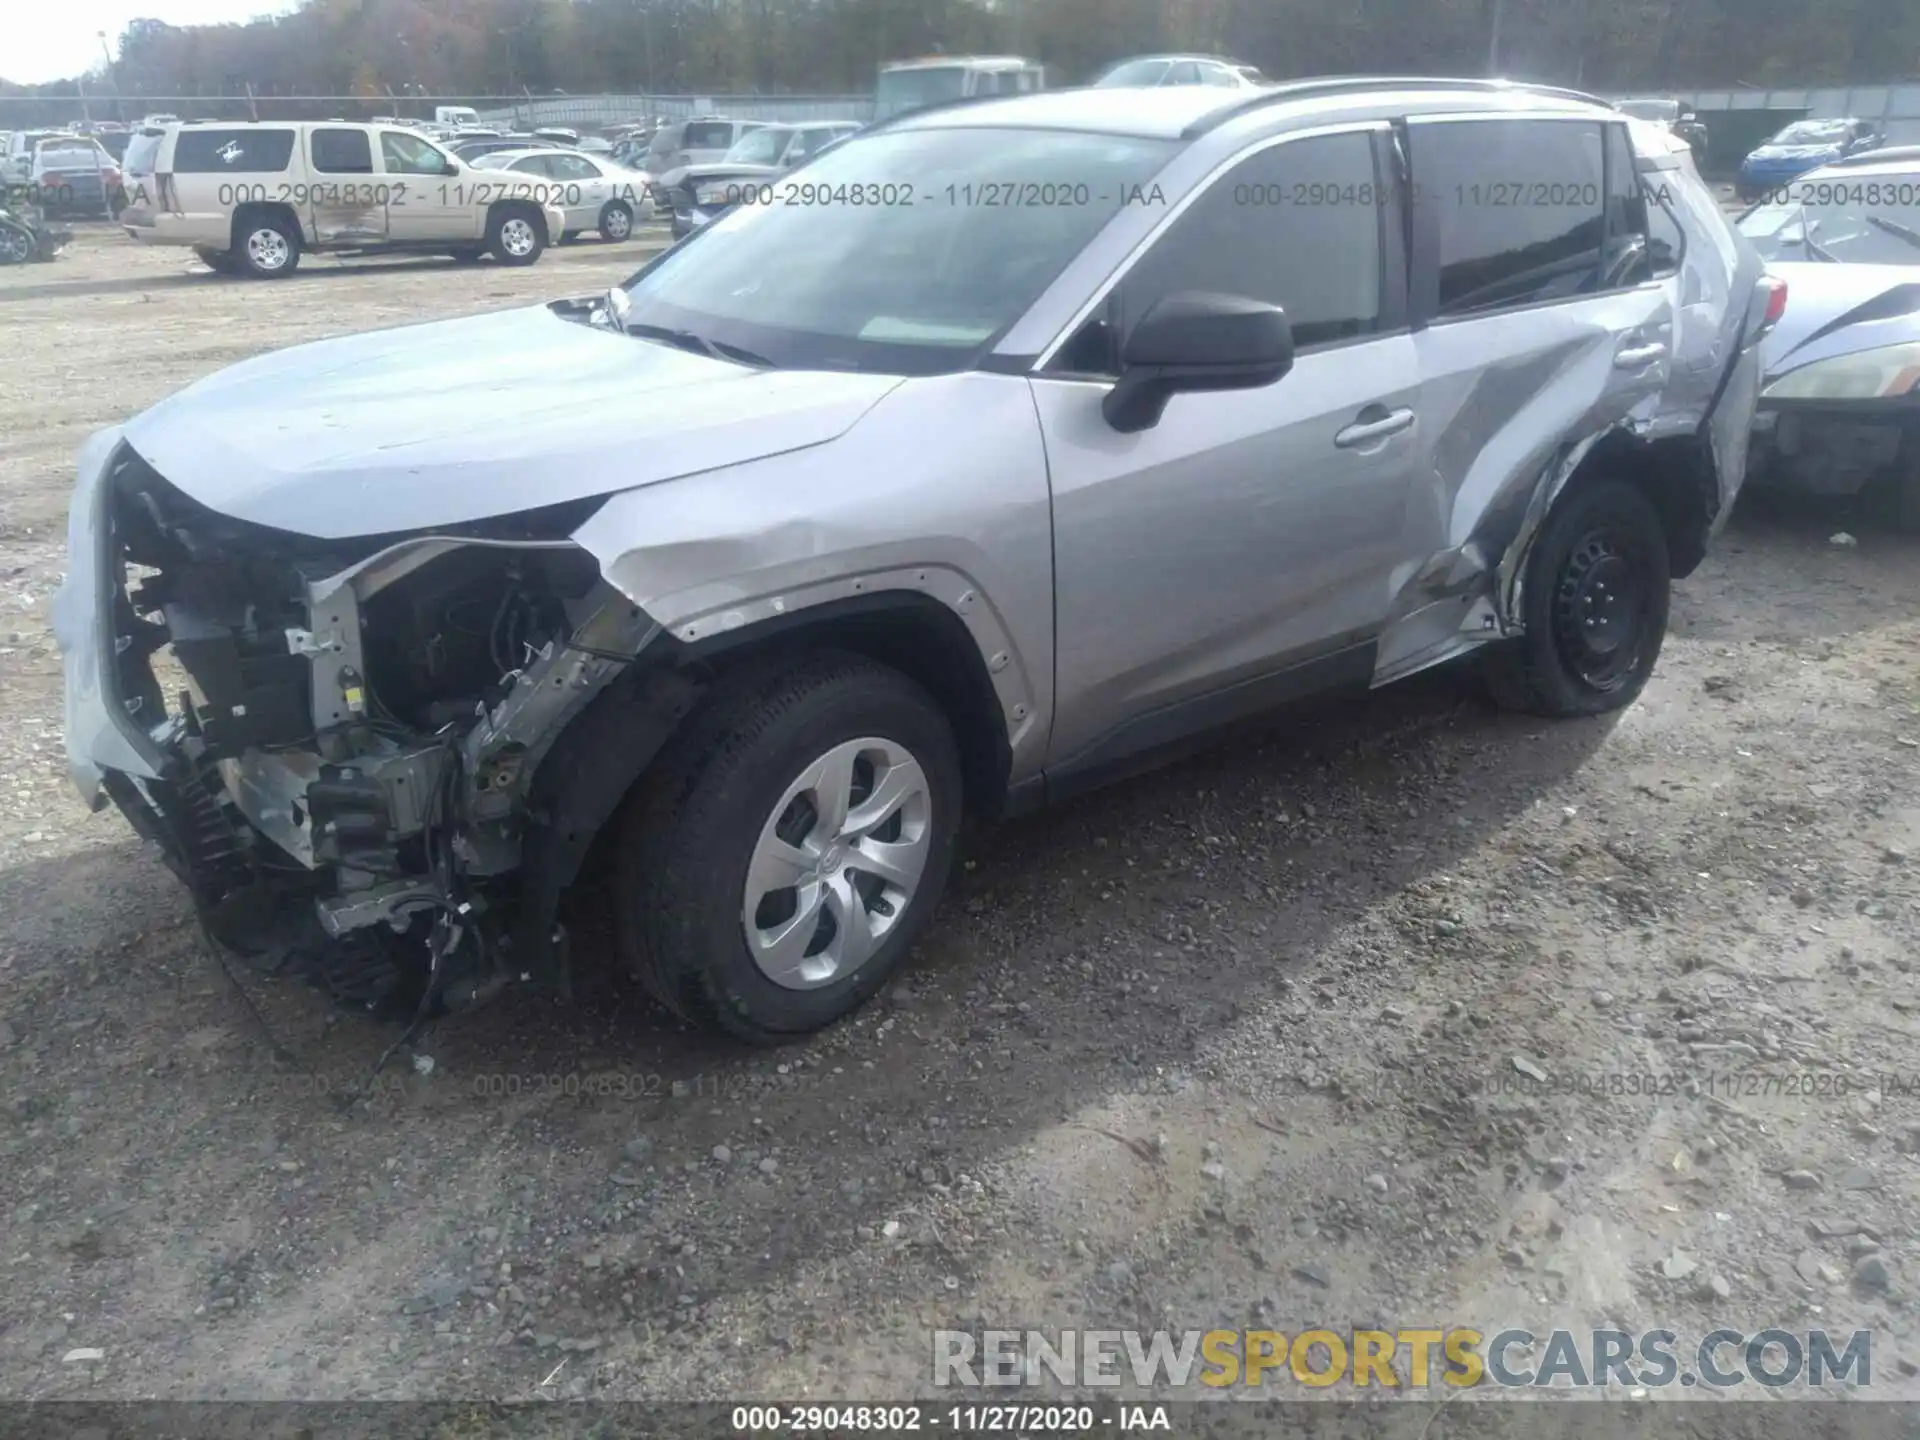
(694, 142)
(1056, 433)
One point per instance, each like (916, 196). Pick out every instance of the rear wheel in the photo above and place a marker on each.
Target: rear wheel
(616, 222)
(1597, 589)
(516, 234)
(267, 246)
(792, 841)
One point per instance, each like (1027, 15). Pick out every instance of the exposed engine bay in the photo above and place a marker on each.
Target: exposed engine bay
(350, 744)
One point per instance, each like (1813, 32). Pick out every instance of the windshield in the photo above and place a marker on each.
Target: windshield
(1651, 109)
(1812, 132)
(760, 147)
(900, 90)
(903, 263)
(1852, 220)
(1135, 72)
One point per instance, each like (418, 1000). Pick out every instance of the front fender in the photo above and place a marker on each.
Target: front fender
(940, 490)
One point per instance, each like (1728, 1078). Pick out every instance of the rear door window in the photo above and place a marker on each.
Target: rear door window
(1512, 210)
(342, 152)
(239, 151)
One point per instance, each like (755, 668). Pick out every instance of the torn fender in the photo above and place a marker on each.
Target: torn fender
(940, 490)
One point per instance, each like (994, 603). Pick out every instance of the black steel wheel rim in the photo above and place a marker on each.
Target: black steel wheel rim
(1601, 601)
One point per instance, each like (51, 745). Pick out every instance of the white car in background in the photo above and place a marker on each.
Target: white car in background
(1839, 414)
(595, 193)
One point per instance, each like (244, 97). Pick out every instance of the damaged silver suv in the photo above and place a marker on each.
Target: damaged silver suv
(1004, 448)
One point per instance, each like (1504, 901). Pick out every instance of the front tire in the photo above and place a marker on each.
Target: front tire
(794, 837)
(516, 234)
(1597, 589)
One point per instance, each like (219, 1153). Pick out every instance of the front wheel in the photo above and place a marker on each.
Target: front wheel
(1597, 589)
(516, 235)
(16, 244)
(791, 842)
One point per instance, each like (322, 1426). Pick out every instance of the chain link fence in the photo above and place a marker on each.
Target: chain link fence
(580, 112)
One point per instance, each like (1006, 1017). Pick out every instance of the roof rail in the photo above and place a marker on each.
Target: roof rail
(1288, 90)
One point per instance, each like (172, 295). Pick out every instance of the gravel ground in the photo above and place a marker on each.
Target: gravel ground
(1342, 1023)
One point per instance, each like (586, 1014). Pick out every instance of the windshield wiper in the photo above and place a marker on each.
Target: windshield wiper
(1814, 252)
(1895, 229)
(700, 345)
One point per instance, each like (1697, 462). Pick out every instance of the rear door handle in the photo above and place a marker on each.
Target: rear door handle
(1634, 357)
(1378, 423)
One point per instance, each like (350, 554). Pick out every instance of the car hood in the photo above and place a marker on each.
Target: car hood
(1838, 309)
(721, 170)
(715, 170)
(462, 420)
(1792, 154)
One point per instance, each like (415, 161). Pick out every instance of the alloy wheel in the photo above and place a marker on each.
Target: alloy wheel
(268, 249)
(516, 237)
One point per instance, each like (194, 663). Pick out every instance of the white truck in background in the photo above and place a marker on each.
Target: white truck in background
(906, 85)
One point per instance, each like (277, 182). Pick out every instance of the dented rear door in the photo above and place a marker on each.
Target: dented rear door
(344, 198)
(1540, 320)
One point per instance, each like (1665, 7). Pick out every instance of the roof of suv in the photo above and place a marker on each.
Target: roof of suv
(1176, 111)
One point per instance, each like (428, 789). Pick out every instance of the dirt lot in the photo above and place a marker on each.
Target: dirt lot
(1244, 1042)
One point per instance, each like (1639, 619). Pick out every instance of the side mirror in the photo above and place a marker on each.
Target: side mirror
(1195, 340)
(450, 167)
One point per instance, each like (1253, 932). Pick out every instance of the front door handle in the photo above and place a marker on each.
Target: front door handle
(1634, 357)
(1376, 422)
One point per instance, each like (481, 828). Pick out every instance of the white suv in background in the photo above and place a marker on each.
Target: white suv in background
(250, 198)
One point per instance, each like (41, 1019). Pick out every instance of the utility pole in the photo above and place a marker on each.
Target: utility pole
(1493, 40)
(119, 111)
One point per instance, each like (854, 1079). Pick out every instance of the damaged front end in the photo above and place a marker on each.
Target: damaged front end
(338, 744)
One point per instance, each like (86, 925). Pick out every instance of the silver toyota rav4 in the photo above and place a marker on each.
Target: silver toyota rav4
(1005, 448)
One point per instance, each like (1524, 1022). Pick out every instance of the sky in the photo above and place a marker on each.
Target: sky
(41, 41)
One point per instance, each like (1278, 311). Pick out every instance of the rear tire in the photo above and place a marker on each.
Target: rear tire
(1597, 590)
(736, 833)
(516, 234)
(265, 246)
(616, 222)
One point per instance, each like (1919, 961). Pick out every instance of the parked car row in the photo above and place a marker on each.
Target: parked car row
(62, 172)
(835, 523)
